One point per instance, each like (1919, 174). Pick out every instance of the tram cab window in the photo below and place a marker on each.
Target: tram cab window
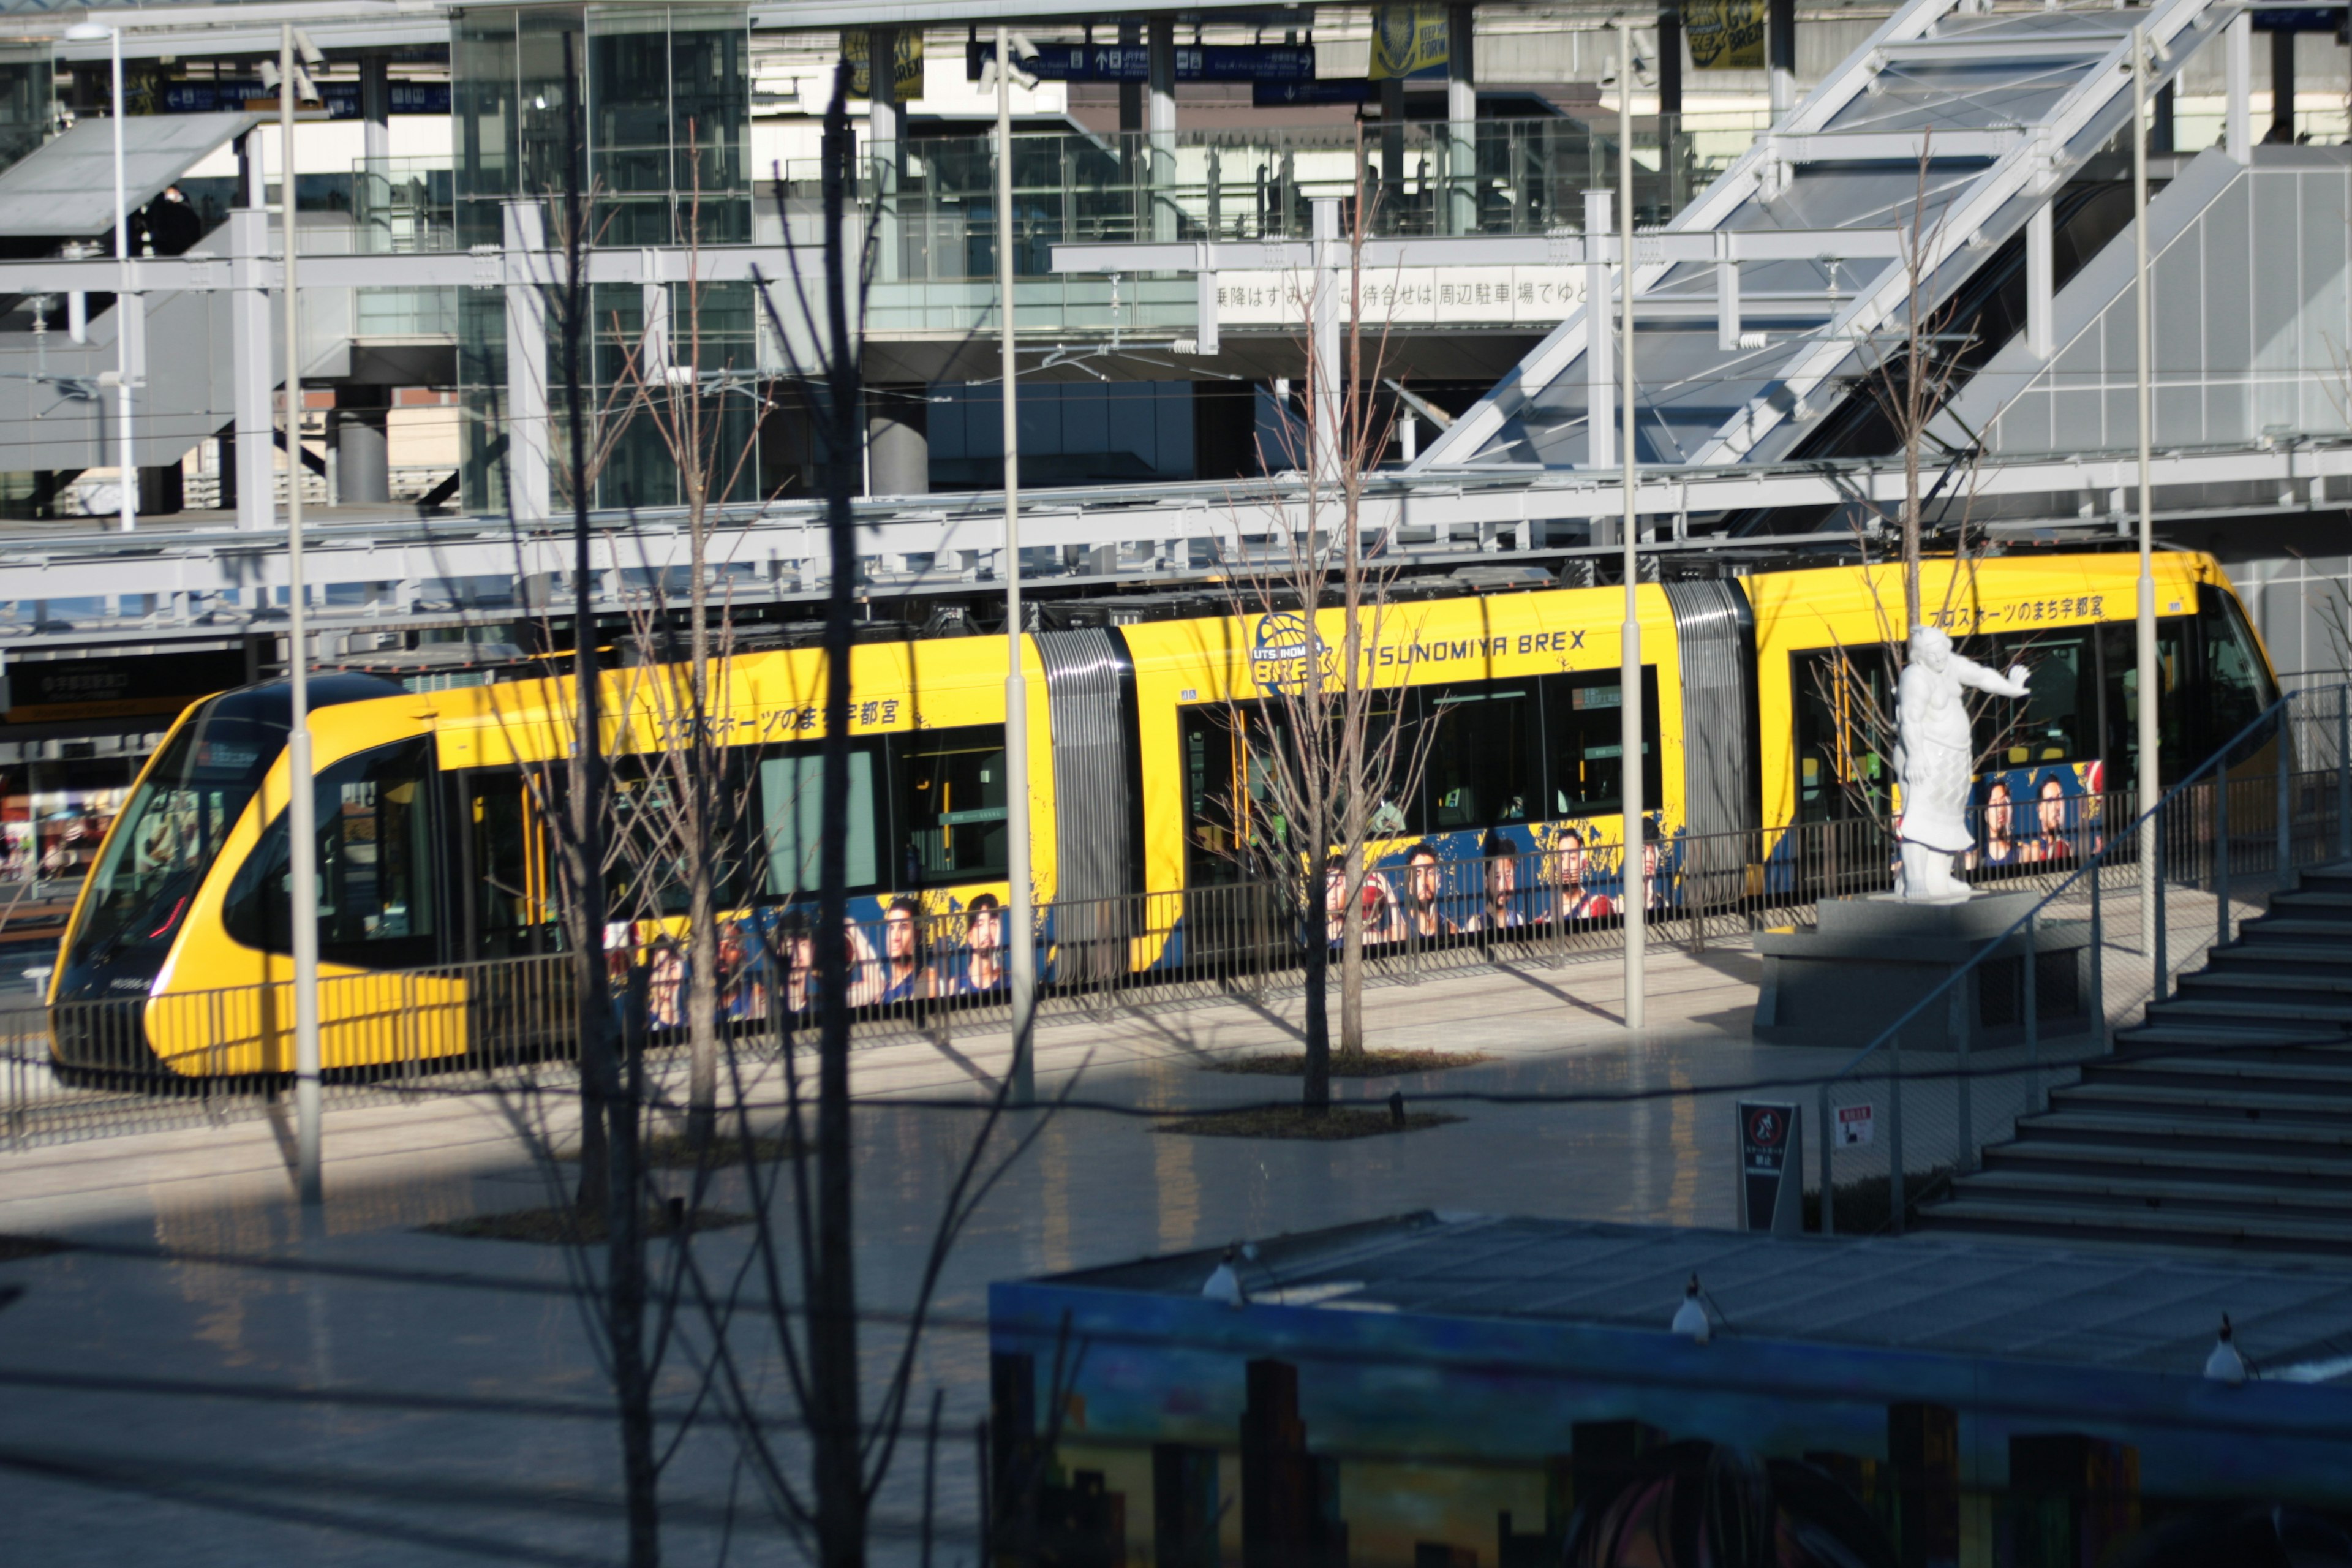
(2238, 686)
(2058, 720)
(790, 818)
(951, 805)
(2119, 654)
(377, 893)
(1584, 743)
(1486, 758)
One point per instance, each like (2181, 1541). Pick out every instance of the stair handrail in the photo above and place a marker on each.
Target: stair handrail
(2091, 863)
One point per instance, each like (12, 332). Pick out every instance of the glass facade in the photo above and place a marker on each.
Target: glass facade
(663, 122)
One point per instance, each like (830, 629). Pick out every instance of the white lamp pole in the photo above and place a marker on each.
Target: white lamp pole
(302, 812)
(127, 487)
(2150, 677)
(1630, 757)
(1019, 936)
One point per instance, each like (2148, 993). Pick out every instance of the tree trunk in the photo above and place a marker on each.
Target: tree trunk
(1315, 1092)
(608, 1164)
(837, 1465)
(701, 801)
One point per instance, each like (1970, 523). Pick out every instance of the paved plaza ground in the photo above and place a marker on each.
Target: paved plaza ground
(161, 1380)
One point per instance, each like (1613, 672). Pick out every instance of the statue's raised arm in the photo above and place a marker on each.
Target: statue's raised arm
(1970, 673)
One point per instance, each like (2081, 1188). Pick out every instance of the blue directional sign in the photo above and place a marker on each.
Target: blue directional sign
(1133, 62)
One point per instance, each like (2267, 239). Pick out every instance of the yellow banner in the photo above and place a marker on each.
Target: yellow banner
(1725, 35)
(1407, 40)
(906, 73)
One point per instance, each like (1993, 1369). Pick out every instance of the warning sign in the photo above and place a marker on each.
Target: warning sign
(1770, 1168)
(1856, 1124)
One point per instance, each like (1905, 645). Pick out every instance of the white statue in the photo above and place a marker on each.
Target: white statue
(1934, 761)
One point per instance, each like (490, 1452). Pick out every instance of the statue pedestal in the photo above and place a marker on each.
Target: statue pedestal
(1870, 959)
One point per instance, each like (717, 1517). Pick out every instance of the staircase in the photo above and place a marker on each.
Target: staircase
(2223, 1120)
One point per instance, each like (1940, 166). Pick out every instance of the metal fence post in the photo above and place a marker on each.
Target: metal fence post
(2221, 852)
(1960, 1031)
(2286, 799)
(1829, 1181)
(1895, 1133)
(2098, 965)
(2033, 995)
(2343, 772)
(2162, 983)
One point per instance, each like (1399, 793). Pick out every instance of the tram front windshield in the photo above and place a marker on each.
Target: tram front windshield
(171, 832)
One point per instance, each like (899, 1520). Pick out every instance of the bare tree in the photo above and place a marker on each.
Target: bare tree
(1333, 748)
(684, 405)
(1911, 377)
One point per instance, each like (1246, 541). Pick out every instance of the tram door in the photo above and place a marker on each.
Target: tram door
(1844, 701)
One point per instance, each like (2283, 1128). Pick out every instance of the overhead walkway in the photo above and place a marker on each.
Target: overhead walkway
(1955, 127)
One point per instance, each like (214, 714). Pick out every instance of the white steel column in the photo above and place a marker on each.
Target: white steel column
(1600, 368)
(302, 812)
(2039, 273)
(2150, 775)
(1630, 759)
(251, 375)
(1019, 939)
(2238, 82)
(1328, 261)
(529, 491)
(130, 312)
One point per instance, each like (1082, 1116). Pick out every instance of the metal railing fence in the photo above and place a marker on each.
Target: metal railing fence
(2231, 840)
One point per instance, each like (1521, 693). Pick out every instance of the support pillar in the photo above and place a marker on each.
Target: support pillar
(1670, 60)
(163, 488)
(898, 440)
(2040, 275)
(1599, 341)
(1460, 164)
(2282, 130)
(530, 496)
(375, 109)
(1130, 94)
(2238, 85)
(2159, 125)
(361, 426)
(1391, 186)
(252, 361)
(1780, 53)
(1326, 310)
(886, 127)
(1161, 124)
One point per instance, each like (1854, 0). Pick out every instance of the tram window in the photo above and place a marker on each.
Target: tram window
(951, 818)
(2238, 686)
(1844, 703)
(1584, 741)
(2055, 722)
(375, 864)
(2119, 652)
(1228, 794)
(653, 863)
(1484, 759)
(791, 820)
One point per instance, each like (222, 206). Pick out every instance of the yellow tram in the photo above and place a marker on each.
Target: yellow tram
(433, 858)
